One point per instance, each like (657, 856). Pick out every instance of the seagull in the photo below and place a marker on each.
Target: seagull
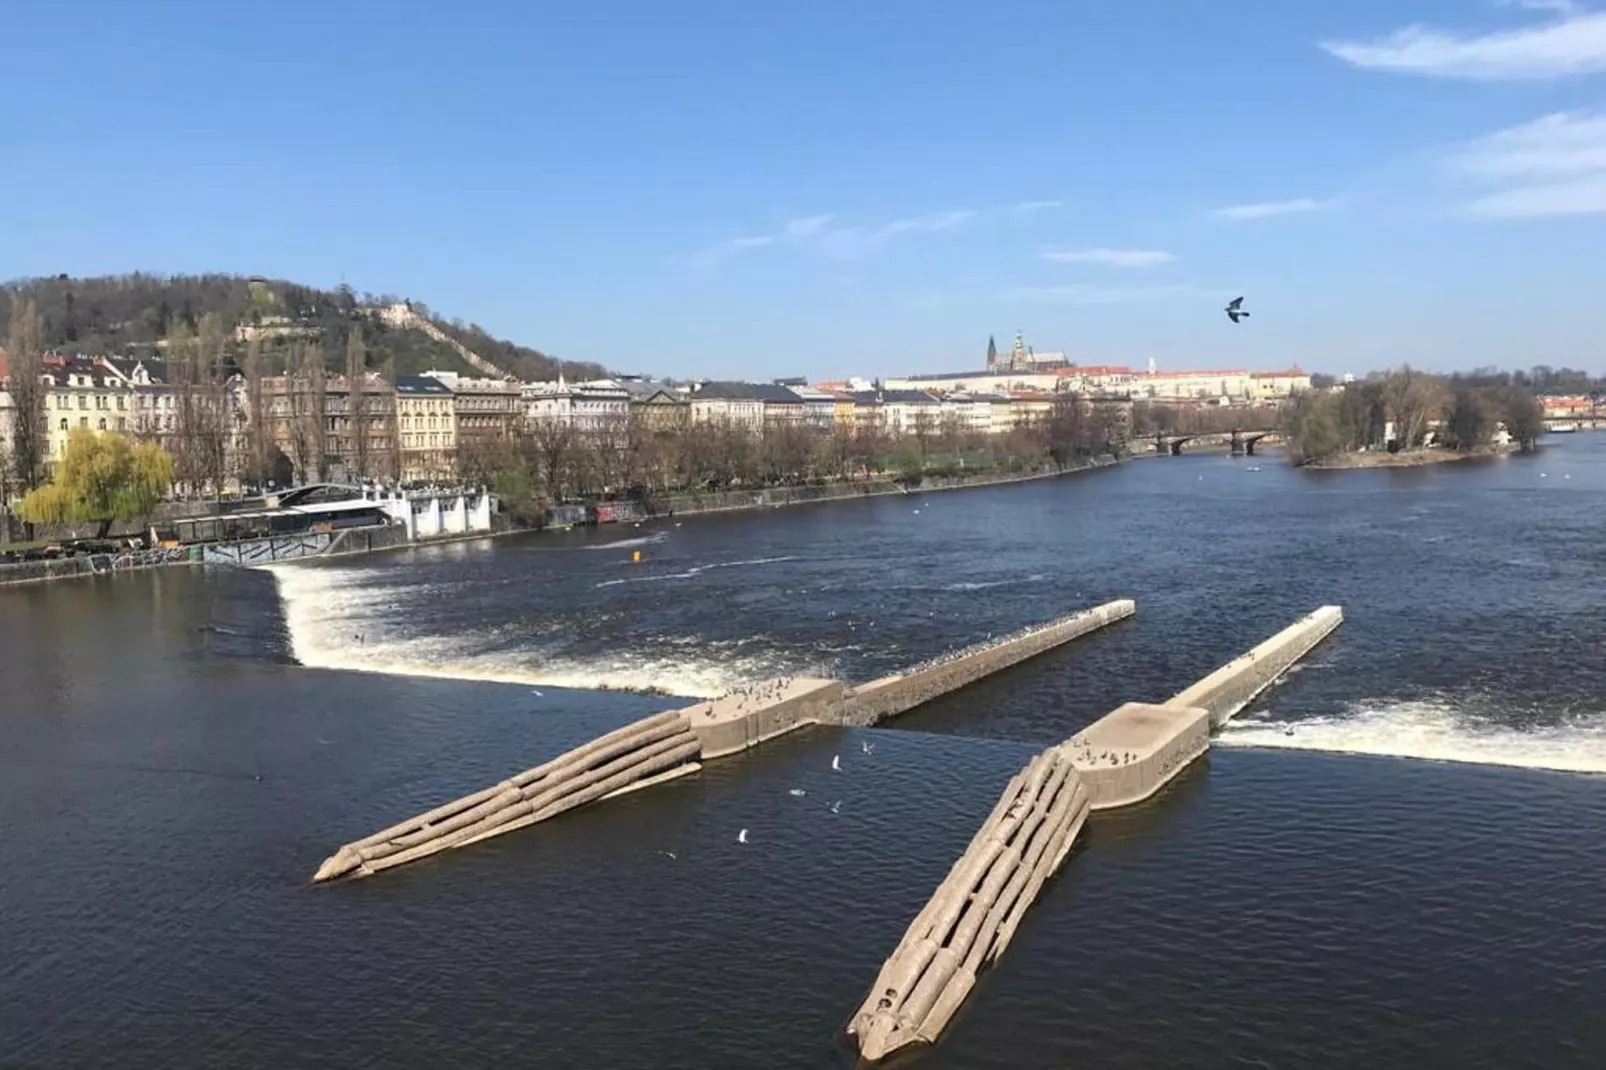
(536, 693)
(798, 792)
(867, 746)
(741, 837)
(1235, 310)
(836, 806)
(836, 762)
(667, 854)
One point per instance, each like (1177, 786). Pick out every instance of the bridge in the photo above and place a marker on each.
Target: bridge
(1239, 442)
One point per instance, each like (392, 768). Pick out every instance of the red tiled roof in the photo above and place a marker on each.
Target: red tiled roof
(1191, 372)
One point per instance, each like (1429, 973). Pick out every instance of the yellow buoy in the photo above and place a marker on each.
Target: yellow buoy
(635, 555)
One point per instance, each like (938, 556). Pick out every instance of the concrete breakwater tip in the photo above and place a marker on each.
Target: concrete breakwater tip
(973, 915)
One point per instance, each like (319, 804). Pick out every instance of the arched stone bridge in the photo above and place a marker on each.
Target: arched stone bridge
(1239, 442)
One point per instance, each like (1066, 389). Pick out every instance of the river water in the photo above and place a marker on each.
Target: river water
(1394, 859)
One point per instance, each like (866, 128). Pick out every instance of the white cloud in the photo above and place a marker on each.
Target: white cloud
(1566, 143)
(1586, 196)
(1573, 44)
(1559, 7)
(1120, 258)
(818, 233)
(1268, 209)
(1552, 166)
(1030, 207)
(1090, 294)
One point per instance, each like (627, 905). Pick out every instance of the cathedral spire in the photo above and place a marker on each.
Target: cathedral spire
(992, 353)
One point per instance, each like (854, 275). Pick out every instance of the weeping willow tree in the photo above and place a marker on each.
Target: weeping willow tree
(103, 478)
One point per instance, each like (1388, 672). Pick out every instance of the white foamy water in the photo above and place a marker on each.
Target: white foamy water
(337, 620)
(1436, 732)
(695, 571)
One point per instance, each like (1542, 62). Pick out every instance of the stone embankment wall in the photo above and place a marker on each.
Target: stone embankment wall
(775, 497)
(1235, 685)
(889, 696)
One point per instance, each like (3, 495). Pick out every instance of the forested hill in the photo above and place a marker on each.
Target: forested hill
(134, 314)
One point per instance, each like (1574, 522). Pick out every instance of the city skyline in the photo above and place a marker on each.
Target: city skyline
(833, 191)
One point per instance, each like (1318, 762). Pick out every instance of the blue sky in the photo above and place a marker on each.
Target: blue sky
(724, 188)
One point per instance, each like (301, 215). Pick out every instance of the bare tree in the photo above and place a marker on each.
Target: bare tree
(30, 436)
(255, 466)
(310, 382)
(356, 403)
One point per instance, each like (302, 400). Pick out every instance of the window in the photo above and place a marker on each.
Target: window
(64, 423)
(103, 423)
(83, 421)
(61, 401)
(83, 402)
(169, 424)
(122, 423)
(120, 403)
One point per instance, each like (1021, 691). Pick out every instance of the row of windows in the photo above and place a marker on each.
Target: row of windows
(416, 441)
(83, 421)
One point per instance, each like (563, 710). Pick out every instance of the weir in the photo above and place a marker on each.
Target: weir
(1123, 758)
(674, 743)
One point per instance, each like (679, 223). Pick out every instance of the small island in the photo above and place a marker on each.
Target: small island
(1408, 418)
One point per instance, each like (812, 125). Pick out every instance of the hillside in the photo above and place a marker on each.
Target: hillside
(133, 314)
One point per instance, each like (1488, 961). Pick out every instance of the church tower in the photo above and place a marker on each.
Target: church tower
(992, 354)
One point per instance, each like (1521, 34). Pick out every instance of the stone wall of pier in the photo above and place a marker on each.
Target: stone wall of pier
(1235, 685)
(889, 696)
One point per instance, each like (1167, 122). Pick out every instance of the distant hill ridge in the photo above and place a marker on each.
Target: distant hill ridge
(133, 314)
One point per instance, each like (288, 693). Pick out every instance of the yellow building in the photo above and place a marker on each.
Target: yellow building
(83, 393)
(427, 421)
(1274, 386)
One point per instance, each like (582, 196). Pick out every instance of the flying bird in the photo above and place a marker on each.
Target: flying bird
(741, 837)
(1235, 310)
(836, 807)
(836, 762)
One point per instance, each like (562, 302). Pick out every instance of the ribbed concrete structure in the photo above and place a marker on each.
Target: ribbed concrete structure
(672, 744)
(1121, 759)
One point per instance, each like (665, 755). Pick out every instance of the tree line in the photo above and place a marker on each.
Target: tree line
(130, 314)
(1397, 410)
(551, 462)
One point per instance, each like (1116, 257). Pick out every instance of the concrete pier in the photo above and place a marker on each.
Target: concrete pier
(1130, 754)
(1122, 758)
(752, 715)
(1233, 686)
(674, 743)
(874, 702)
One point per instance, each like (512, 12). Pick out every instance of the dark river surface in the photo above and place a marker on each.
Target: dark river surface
(1395, 859)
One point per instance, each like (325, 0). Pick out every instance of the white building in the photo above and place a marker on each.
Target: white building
(1216, 386)
(819, 406)
(736, 404)
(601, 406)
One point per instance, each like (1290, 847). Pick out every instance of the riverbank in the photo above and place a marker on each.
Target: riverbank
(1404, 459)
(777, 497)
